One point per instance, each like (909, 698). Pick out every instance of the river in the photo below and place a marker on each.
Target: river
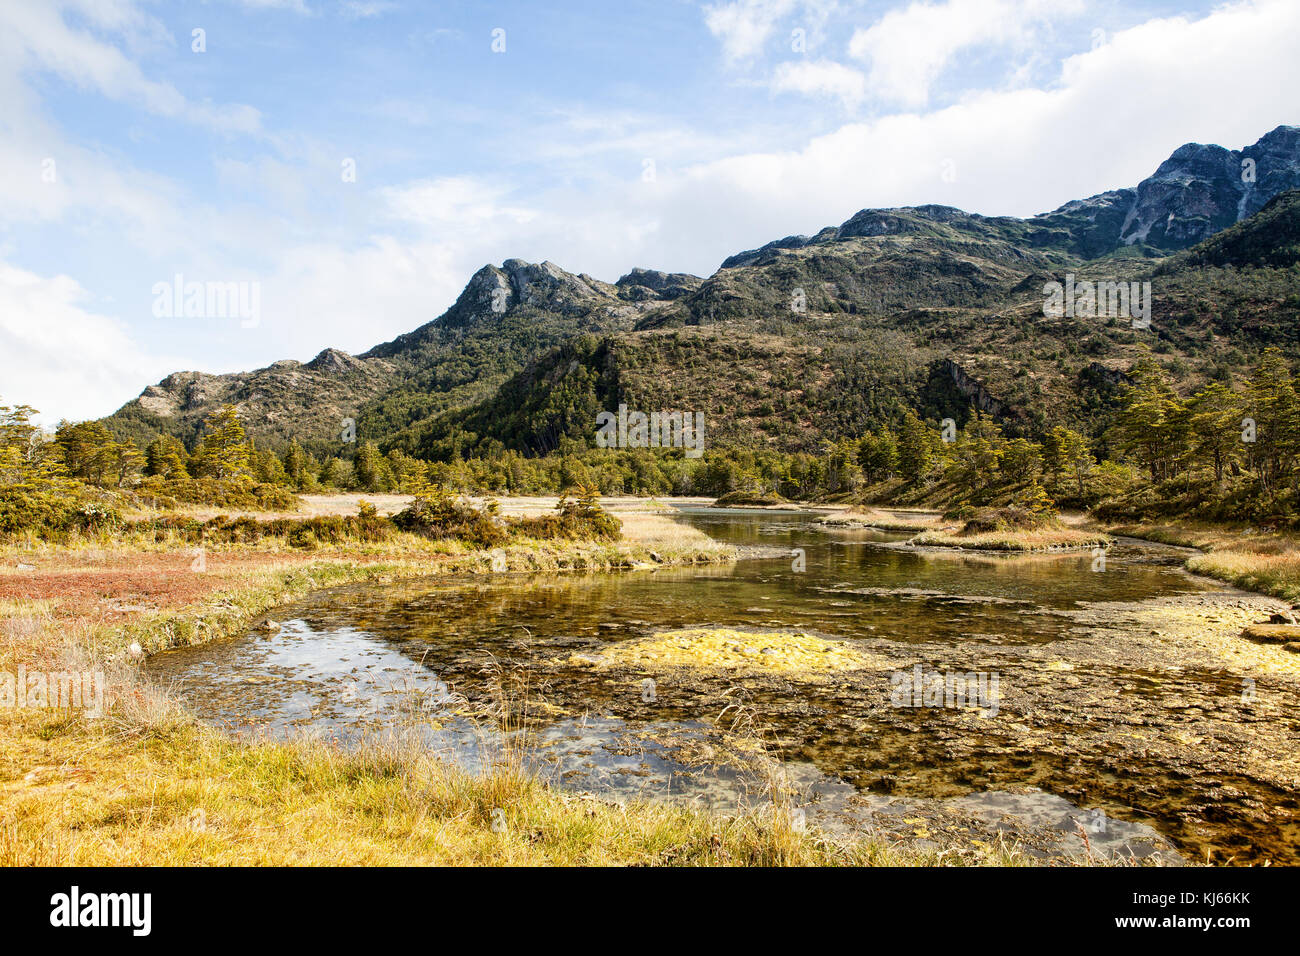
(1108, 737)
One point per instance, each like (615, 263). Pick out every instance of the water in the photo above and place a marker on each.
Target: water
(1067, 746)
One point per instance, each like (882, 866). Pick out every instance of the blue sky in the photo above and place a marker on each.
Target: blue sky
(602, 137)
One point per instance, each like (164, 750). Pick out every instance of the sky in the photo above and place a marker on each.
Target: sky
(347, 165)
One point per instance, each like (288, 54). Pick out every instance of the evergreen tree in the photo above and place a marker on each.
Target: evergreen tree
(166, 458)
(1216, 427)
(1271, 404)
(878, 455)
(915, 448)
(223, 452)
(1153, 425)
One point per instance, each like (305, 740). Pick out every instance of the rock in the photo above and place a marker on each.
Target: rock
(1292, 646)
(1272, 633)
(1282, 617)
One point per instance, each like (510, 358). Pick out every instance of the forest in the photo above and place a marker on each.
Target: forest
(1225, 452)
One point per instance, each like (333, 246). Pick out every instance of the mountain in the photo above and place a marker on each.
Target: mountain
(1198, 191)
(809, 337)
(1270, 239)
(504, 316)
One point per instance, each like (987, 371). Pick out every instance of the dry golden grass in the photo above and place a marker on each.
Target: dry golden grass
(886, 520)
(1274, 574)
(1267, 561)
(179, 795)
(1035, 539)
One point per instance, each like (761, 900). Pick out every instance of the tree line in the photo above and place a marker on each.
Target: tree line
(1224, 451)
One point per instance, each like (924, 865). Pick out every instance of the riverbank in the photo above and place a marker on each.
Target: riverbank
(1266, 561)
(148, 784)
(930, 529)
(168, 792)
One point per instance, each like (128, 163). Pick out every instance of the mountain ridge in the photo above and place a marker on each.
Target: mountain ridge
(927, 272)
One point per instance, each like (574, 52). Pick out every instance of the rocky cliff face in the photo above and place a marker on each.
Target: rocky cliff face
(1201, 190)
(1198, 191)
(643, 284)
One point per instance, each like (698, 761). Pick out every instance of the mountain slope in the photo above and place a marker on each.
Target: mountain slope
(504, 317)
(1270, 239)
(806, 338)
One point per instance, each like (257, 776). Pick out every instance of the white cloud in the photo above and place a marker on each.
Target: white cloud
(459, 201)
(297, 6)
(66, 361)
(744, 26)
(365, 9)
(909, 48)
(37, 35)
(821, 78)
(1113, 114)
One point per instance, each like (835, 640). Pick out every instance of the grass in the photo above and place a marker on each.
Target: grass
(1266, 561)
(148, 785)
(243, 581)
(884, 521)
(1277, 575)
(1021, 539)
(177, 794)
(1008, 529)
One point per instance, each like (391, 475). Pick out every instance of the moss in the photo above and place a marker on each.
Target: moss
(785, 652)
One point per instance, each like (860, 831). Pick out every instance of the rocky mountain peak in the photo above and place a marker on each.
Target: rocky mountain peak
(1202, 189)
(496, 290)
(642, 284)
(335, 361)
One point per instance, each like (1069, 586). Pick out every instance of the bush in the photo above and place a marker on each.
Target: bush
(28, 510)
(1007, 519)
(306, 533)
(575, 521)
(441, 516)
(221, 493)
(92, 516)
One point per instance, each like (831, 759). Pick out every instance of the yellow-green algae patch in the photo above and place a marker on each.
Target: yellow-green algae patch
(784, 652)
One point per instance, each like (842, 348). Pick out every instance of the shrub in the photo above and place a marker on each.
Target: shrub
(28, 510)
(221, 493)
(1007, 519)
(439, 515)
